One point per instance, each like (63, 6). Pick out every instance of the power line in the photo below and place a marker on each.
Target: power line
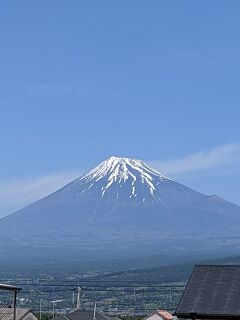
(84, 280)
(133, 285)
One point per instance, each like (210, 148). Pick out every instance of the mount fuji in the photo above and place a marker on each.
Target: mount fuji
(122, 207)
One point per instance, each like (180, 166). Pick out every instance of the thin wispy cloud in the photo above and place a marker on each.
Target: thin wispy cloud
(47, 90)
(19, 193)
(53, 90)
(16, 194)
(219, 158)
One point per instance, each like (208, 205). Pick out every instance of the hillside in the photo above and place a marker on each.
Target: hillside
(121, 208)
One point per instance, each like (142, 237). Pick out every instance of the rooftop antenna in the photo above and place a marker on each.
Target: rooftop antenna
(94, 310)
(78, 298)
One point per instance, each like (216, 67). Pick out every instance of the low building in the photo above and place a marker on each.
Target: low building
(84, 315)
(212, 292)
(7, 313)
(160, 315)
(11, 312)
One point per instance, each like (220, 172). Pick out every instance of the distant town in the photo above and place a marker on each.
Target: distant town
(50, 299)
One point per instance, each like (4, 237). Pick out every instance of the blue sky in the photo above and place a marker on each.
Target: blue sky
(83, 80)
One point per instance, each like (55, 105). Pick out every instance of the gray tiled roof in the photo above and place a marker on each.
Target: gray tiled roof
(212, 291)
(21, 314)
(83, 315)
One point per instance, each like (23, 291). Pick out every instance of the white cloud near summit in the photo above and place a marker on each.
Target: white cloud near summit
(16, 194)
(219, 158)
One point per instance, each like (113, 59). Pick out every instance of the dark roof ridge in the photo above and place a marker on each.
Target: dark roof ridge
(103, 315)
(218, 265)
(64, 316)
(60, 316)
(26, 313)
(197, 300)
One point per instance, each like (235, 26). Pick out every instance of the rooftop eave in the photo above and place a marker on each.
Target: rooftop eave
(9, 287)
(197, 316)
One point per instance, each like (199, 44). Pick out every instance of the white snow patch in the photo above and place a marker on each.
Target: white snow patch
(120, 171)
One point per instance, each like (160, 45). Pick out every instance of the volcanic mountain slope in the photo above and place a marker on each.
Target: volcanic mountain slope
(124, 205)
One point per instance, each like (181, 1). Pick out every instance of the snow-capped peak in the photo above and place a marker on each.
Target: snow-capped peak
(124, 179)
(121, 170)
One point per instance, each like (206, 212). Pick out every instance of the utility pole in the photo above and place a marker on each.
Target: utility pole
(14, 304)
(40, 310)
(73, 297)
(94, 310)
(53, 309)
(78, 298)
